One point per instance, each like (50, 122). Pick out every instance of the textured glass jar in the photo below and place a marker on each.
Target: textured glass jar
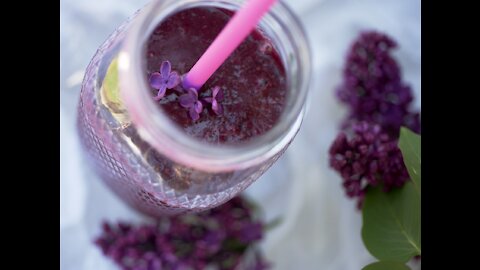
(144, 157)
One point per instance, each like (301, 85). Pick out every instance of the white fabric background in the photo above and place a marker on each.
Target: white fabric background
(321, 227)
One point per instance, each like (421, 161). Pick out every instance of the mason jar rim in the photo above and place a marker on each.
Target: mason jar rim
(167, 138)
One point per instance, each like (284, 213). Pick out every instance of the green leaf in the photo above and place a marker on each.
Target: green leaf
(386, 265)
(409, 143)
(391, 223)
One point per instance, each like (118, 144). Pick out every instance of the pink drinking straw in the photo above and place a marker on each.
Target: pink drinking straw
(237, 29)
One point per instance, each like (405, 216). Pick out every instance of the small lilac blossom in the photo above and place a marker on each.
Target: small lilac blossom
(217, 96)
(190, 101)
(163, 80)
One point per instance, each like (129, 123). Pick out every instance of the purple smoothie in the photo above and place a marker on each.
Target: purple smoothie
(252, 79)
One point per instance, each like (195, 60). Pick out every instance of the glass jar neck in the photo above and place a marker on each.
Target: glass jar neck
(279, 25)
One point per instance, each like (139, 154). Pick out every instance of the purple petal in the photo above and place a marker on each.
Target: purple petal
(165, 69)
(215, 91)
(186, 100)
(156, 80)
(173, 80)
(217, 108)
(214, 105)
(193, 113)
(220, 110)
(219, 95)
(161, 92)
(193, 92)
(208, 99)
(198, 106)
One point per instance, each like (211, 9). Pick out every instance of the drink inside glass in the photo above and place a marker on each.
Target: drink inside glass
(151, 152)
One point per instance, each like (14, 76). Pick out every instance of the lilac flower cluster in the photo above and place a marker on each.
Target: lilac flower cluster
(365, 153)
(217, 238)
(367, 156)
(190, 101)
(168, 79)
(373, 88)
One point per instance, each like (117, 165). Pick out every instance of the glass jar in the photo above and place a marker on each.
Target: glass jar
(145, 158)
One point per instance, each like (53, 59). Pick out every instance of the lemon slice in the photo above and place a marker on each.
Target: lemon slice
(110, 91)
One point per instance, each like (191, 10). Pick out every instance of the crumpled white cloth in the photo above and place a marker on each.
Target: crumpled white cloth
(320, 227)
